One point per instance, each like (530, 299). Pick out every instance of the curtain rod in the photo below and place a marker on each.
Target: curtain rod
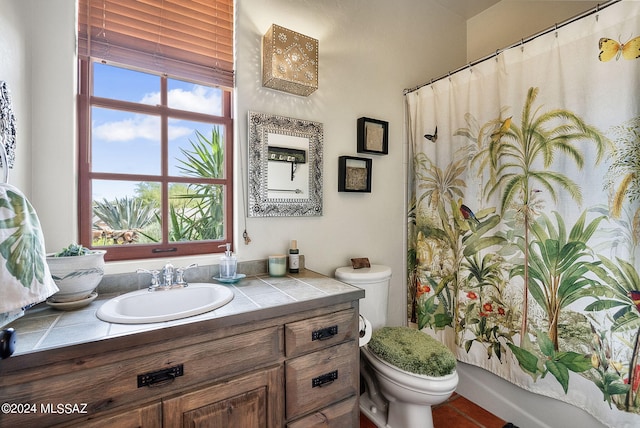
(598, 8)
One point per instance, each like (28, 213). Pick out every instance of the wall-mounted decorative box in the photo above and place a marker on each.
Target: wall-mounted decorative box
(373, 136)
(354, 174)
(289, 61)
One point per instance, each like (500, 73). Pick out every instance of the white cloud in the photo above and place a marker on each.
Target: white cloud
(152, 98)
(176, 132)
(145, 127)
(199, 99)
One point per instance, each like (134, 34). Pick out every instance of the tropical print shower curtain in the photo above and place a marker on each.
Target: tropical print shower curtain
(524, 220)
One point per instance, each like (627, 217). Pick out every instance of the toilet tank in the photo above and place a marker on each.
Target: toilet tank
(375, 283)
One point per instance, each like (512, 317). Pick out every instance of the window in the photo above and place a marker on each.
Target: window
(155, 131)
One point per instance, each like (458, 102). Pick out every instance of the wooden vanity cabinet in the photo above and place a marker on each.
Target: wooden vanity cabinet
(296, 370)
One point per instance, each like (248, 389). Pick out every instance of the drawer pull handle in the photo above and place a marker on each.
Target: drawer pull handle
(324, 333)
(160, 377)
(324, 379)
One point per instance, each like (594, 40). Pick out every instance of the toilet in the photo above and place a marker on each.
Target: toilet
(390, 396)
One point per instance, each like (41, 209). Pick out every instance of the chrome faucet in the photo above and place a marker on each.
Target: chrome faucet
(167, 278)
(167, 275)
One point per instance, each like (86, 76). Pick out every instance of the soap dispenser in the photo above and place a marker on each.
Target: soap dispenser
(228, 263)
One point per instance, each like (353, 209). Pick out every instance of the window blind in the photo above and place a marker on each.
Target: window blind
(185, 38)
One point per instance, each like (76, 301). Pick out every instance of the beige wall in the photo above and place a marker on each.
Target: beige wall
(15, 63)
(37, 49)
(509, 21)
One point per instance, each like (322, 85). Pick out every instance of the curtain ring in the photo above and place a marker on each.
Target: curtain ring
(556, 30)
(497, 53)
(521, 45)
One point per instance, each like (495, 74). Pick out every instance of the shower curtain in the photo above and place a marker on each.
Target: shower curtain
(524, 213)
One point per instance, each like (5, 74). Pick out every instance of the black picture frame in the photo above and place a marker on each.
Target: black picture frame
(373, 136)
(354, 174)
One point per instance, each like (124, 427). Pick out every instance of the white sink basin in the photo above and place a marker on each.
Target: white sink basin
(143, 306)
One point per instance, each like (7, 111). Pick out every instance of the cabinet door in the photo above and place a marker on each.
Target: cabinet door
(149, 416)
(251, 401)
(244, 410)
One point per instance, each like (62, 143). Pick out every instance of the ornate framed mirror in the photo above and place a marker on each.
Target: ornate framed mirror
(285, 166)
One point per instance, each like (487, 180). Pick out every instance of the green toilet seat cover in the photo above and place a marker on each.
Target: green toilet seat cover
(412, 351)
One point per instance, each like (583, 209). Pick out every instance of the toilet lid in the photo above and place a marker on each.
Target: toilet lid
(374, 273)
(412, 351)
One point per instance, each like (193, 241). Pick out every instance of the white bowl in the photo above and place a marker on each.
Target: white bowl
(76, 276)
(142, 306)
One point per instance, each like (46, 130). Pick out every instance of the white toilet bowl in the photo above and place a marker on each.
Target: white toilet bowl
(409, 395)
(393, 398)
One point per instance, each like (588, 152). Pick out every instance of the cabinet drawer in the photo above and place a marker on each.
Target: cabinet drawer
(316, 380)
(315, 333)
(342, 414)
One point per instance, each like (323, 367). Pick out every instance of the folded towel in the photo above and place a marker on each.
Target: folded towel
(24, 274)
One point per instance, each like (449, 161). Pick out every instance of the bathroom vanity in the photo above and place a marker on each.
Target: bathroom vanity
(293, 363)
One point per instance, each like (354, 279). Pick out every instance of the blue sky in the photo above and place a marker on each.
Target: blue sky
(124, 142)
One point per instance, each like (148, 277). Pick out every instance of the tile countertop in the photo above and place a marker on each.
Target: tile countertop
(260, 296)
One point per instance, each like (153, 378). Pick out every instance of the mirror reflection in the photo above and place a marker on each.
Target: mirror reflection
(285, 166)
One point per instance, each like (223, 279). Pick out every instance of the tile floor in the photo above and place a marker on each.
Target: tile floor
(456, 412)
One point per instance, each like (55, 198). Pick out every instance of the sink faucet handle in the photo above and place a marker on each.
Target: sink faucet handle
(180, 274)
(191, 266)
(154, 277)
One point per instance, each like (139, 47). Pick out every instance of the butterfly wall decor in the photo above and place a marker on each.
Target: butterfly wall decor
(432, 137)
(610, 49)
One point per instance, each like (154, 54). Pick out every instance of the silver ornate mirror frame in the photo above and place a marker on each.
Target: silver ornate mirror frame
(262, 203)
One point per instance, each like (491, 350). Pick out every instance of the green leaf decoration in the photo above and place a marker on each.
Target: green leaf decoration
(618, 387)
(560, 372)
(546, 345)
(528, 361)
(24, 248)
(467, 345)
(575, 362)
